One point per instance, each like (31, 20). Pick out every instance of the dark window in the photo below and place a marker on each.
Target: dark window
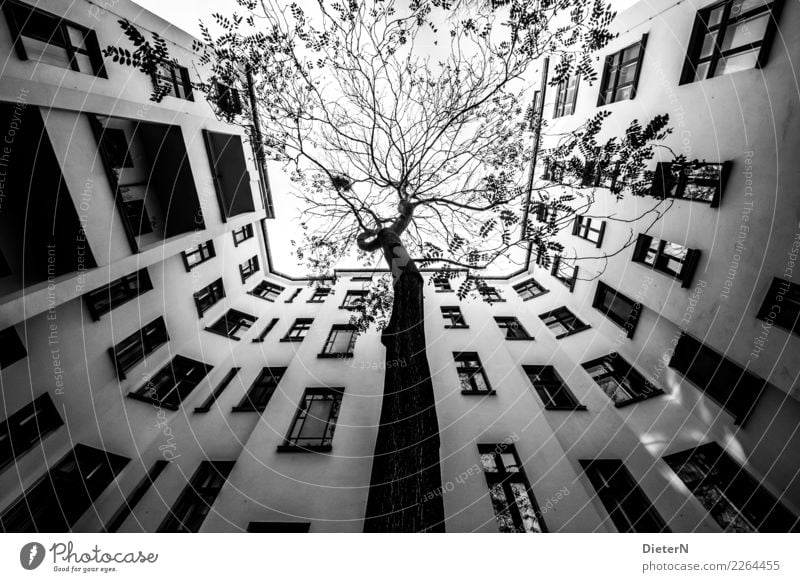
(553, 172)
(731, 36)
(514, 506)
(232, 324)
(620, 381)
(782, 305)
(194, 503)
(362, 278)
(340, 343)
(725, 382)
(208, 296)
(700, 181)
(601, 174)
(58, 500)
(320, 295)
(294, 295)
(12, 349)
(454, 318)
(736, 500)
(114, 144)
(591, 229)
(529, 289)
(267, 329)
(101, 301)
(173, 383)
(562, 322)
(248, 268)
(51, 39)
(137, 346)
(138, 217)
(315, 421)
(261, 391)
(278, 527)
(209, 402)
(231, 178)
(621, 74)
(267, 290)
(199, 254)
(617, 307)
(242, 234)
(490, 294)
(353, 299)
(667, 257)
(555, 394)
(173, 80)
(564, 272)
(626, 503)
(22, 430)
(299, 330)
(442, 284)
(136, 496)
(513, 328)
(471, 375)
(566, 96)
(228, 99)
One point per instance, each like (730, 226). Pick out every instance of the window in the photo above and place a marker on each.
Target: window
(267, 329)
(135, 497)
(137, 346)
(730, 36)
(699, 182)
(513, 328)
(13, 349)
(266, 290)
(232, 324)
(29, 425)
(621, 74)
(278, 527)
(736, 500)
(362, 278)
(564, 272)
(298, 331)
(294, 295)
(194, 503)
(51, 39)
(553, 172)
(442, 284)
(490, 294)
(102, 300)
(138, 217)
(732, 387)
(313, 426)
(248, 268)
(552, 390)
(242, 234)
(173, 80)
(562, 322)
(566, 96)
(667, 257)
(782, 305)
(353, 299)
(320, 294)
(620, 381)
(617, 307)
(591, 229)
(208, 296)
(340, 343)
(627, 505)
(471, 375)
(514, 506)
(58, 500)
(529, 289)
(173, 383)
(199, 254)
(209, 402)
(454, 318)
(229, 170)
(261, 391)
(114, 145)
(601, 174)
(228, 99)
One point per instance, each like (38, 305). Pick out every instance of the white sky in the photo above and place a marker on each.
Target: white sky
(186, 14)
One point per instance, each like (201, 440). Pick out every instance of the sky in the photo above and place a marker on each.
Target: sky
(186, 14)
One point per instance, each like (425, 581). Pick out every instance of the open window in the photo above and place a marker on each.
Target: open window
(231, 178)
(699, 182)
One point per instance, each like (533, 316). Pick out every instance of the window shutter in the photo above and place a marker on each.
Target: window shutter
(602, 234)
(576, 225)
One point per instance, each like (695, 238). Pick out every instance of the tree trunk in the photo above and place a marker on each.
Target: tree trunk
(405, 488)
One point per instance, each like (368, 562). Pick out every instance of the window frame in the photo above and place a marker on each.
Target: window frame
(204, 250)
(140, 345)
(241, 322)
(267, 381)
(775, 297)
(249, 268)
(628, 324)
(214, 396)
(359, 294)
(227, 99)
(671, 180)
(660, 259)
(38, 419)
(242, 234)
(176, 376)
(453, 314)
(195, 497)
(617, 368)
(614, 60)
(267, 291)
(300, 324)
(464, 358)
(526, 286)
(562, 105)
(132, 500)
(559, 315)
(290, 444)
(141, 284)
(557, 271)
(268, 328)
(320, 295)
(13, 349)
(510, 322)
(331, 341)
(176, 77)
(215, 291)
(582, 228)
(538, 377)
(442, 285)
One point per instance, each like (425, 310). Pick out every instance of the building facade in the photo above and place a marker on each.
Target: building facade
(158, 375)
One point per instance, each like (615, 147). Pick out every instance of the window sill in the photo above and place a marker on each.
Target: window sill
(445, 291)
(292, 339)
(537, 296)
(456, 327)
(152, 401)
(479, 392)
(248, 409)
(202, 409)
(573, 332)
(308, 449)
(309, 301)
(337, 356)
(637, 400)
(520, 339)
(566, 408)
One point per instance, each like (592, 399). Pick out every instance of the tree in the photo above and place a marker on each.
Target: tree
(407, 131)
